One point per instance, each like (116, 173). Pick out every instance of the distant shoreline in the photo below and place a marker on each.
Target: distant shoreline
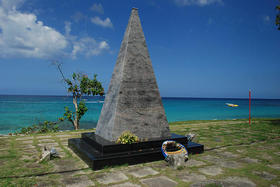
(191, 122)
(165, 97)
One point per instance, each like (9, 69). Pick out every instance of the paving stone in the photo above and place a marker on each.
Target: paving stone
(27, 157)
(275, 166)
(211, 170)
(25, 138)
(111, 178)
(228, 155)
(29, 151)
(27, 142)
(127, 184)
(41, 137)
(142, 172)
(161, 181)
(4, 149)
(63, 135)
(211, 158)
(48, 144)
(193, 177)
(230, 164)
(77, 181)
(5, 152)
(46, 182)
(265, 175)
(194, 163)
(231, 182)
(266, 157)
(4, 137)
(62, 165)
(64, 143)
(238, 182)
(27, 146)
(277, 153)
(46, 140)
(160, 165)
(249, 160)
(240, 150)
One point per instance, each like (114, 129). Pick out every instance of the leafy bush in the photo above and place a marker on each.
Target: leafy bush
(45, 127)
(127, 138)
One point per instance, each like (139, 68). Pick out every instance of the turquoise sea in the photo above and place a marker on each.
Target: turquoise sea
(21, 111)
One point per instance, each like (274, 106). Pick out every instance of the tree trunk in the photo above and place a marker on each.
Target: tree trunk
(76, 122)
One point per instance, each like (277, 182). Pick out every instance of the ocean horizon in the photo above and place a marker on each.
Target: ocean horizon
(18, 111)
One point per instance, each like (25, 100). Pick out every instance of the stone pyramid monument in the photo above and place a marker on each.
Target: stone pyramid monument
(133, 100)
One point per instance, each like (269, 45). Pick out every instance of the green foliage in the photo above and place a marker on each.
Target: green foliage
(68, 114)
(82, 109)
(45, 127)
(80, 85)
(127, 138)
(277, 20)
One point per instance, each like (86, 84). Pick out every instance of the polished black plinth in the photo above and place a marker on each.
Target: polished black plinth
(98, 152)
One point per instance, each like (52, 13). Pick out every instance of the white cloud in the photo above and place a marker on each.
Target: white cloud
(88, 46)
(84, 46)
(104, 23)
(197, 2)
(97, 8)
(78, 16)
(23, 35)
(67, 28)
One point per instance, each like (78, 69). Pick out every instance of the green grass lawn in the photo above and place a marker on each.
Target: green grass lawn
(239, 150)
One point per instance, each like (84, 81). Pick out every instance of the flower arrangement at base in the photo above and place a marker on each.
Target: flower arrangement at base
(127, 138)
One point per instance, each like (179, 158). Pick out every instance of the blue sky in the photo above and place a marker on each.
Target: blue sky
(199, 48)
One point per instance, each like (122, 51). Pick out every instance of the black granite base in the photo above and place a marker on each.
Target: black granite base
(98, 152)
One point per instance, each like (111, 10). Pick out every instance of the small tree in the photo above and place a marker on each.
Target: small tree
(277, 20)
(79, 86)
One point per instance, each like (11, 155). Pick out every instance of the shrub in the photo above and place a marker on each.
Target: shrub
(45, 127)
(127, 138)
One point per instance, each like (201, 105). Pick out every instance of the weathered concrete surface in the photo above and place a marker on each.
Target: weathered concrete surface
(142, 172)
(161, 181)
(133, 100)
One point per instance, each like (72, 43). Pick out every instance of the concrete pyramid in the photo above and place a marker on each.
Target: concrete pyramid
(133, 100)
